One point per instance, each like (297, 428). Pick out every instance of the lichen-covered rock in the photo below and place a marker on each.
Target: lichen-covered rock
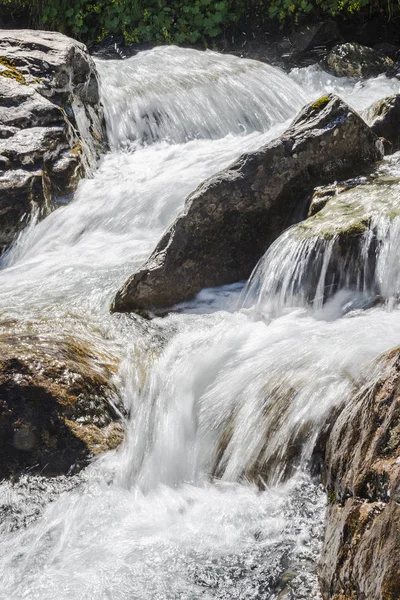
(384, 119)
(361, 554)
(355, 60)
(57, 404)
(51, 123)
(232, 218)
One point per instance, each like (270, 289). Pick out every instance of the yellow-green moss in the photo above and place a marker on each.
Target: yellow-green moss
(331, 497)
(11, 71)
(320, 103)
(7, 62)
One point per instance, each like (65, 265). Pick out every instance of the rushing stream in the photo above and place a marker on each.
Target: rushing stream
(210, 495)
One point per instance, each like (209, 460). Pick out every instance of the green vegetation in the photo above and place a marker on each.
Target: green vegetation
(178, 21)
(320, 103)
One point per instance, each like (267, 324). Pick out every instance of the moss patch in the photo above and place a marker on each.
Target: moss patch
(320, 103)
(11, 71)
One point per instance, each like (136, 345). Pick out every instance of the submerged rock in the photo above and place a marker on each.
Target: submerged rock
(361, 553)
(232, 218)
(384, 119)
(57, 404)
(355, 60)
(51, 123)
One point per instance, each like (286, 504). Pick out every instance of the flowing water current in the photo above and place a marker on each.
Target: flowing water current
(210, 495)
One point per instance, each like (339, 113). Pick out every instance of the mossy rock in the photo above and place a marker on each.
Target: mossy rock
(57, 404)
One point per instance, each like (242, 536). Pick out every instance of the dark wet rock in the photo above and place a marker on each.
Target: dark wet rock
(310, 43)
(51, 123)
(232, 218)
(361, 553)
(355, 60)
(384, 119)
(387, 49)
(57, 404)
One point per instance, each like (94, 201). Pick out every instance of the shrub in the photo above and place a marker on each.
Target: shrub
(177, 21)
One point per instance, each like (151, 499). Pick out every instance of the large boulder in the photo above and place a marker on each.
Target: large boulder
(361, 552)
(51, 123)
(384, 119)
(355, 60)
(232, 218)
(58, 404)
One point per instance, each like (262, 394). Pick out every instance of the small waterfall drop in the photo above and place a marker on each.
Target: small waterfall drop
(176, 95)
(348, 248)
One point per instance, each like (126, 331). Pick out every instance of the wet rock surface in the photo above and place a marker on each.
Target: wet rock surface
(51, 123)
(384, 119)
(355, 60)
(231, 219)
(58, 405)
(361, 554)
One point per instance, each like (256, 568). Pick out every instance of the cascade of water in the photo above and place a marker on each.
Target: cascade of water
(313, 261)
(147, 102)
(223, 397)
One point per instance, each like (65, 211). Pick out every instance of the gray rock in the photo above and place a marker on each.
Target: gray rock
(231, 219)
(384, 119)
(51, 123)
(361, 552)
(355, 60)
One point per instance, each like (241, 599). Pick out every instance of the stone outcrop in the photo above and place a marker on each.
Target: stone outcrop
(384, 119)
(51, 123)
(57, 404)
(361, 554)
(355, 60)
(232, 218)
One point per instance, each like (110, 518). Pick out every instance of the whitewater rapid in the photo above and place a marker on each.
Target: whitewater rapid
(210, 495)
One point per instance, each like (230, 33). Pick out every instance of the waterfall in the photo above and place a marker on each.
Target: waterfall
(314, 261)
(147, 104)
(210, 496)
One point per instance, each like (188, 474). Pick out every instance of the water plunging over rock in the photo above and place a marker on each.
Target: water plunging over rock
(346, 245)
(51, 123)
(198, 95)
(230, 220)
